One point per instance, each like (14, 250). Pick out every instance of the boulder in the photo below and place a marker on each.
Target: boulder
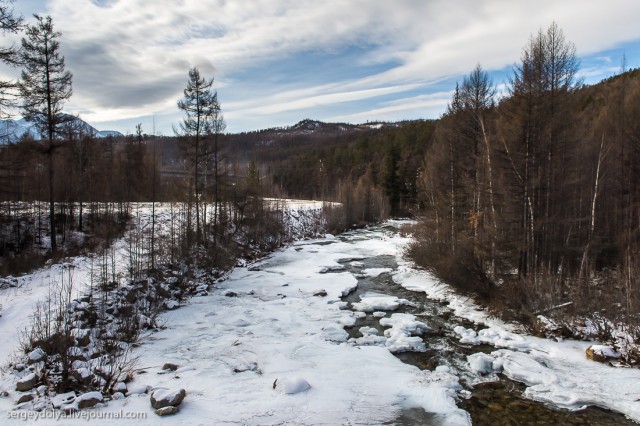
(120, 387)
(27, 383)
(74, 353)
(169, 366)
(36, 355)
(161, 398)
(82, 336)
(25, 398)
(171, 305)
(69, 409)
(602, 353)
(167, 411)
(88, 399)
(63, 399)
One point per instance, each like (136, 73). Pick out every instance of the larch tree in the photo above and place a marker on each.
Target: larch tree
(44, 86)
(202, 119)
(477, 98)
(9, 23)
(539, 118)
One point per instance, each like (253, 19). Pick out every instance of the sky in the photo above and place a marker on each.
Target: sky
(276, 62)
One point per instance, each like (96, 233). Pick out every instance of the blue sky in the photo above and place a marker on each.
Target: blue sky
(276, 62)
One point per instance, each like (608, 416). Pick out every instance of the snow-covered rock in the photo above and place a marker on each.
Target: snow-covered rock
(27, 382)
(602, 353)
(88, 399)
(36, 355)
(167, 411)
(161, 398)
(171, 304)
(133, 389)
(63, 399)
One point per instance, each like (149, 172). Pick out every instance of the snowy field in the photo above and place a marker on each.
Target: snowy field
(267, 346)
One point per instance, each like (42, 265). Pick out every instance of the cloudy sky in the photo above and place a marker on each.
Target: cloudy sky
(276, 62)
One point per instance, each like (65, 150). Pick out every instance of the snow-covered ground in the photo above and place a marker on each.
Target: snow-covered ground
(268, 346)
(243, 358)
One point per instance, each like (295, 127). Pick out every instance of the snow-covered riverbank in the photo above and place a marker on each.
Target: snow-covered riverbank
(268, 346)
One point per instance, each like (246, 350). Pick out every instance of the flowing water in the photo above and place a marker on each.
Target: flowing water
(499, 401)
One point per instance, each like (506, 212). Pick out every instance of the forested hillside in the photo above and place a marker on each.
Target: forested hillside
(532, 200)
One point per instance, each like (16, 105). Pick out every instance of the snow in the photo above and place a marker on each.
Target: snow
(233, 349)
(63, 399)
(374, 272)
(166, 394)
(292, 385)
(404, 333)
(89, 396)
(556, 372)
(371, 301)
(605, 351)
(483, 363)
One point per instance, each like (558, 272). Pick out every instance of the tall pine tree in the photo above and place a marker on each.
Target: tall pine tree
(44, 86)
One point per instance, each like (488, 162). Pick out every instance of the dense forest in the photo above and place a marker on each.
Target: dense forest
(531, 200)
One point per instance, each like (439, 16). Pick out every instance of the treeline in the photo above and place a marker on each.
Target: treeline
(89, 184)
(373, 173)
(532, 200)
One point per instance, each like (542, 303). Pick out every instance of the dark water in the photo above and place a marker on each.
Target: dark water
(499, 402)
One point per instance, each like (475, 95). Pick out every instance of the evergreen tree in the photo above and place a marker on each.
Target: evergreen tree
(8, 24)
(202, 119)
(44, 86)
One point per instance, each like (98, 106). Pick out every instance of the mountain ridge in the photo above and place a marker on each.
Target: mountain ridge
(14, 130)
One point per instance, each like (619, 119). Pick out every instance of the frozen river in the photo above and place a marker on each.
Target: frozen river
(344, 331)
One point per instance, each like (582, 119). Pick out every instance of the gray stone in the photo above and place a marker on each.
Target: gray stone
(25, 398)
(169, 366)
(69, 409)
(27, 383)
(167, 411)
(163, 398)
(89, 399)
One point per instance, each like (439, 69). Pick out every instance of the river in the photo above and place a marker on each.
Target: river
(342, 330)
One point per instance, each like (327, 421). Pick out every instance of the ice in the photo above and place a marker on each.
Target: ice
(467, 336)
(371, 301)
(374, 272)
(484, 364)
(404, 334)
(281, 332)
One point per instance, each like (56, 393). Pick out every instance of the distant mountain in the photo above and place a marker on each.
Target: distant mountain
(315, 126)
(14, 130)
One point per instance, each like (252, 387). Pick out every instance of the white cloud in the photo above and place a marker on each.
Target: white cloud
(131, 57)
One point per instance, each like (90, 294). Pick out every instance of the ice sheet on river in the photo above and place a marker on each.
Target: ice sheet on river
(556, 372)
